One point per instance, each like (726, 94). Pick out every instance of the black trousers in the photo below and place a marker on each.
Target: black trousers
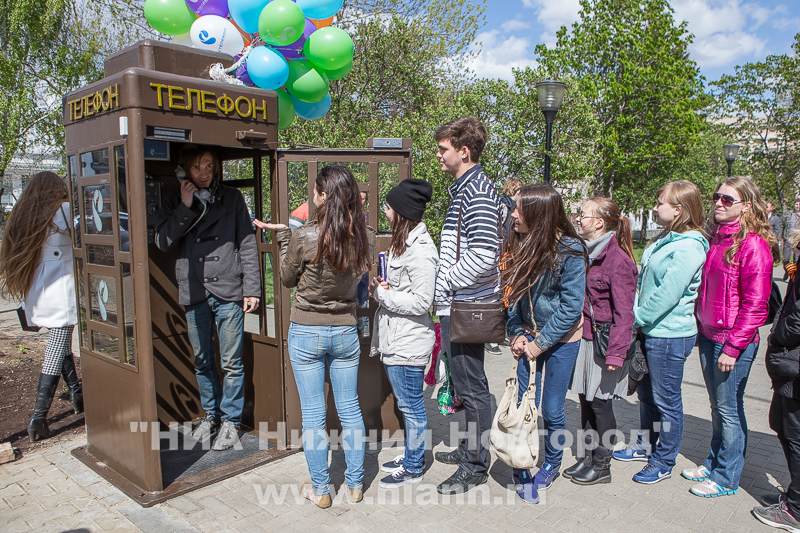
(598, 415)
(784, 419)
(471, 385)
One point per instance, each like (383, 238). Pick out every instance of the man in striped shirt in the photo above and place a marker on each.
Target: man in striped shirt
(472, 276)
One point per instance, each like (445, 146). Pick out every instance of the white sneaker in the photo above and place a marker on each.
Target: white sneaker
(228, 437)
(699, 473)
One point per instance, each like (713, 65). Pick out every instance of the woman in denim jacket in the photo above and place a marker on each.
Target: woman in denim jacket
(664, 312)
(731, 306)
(546, 282)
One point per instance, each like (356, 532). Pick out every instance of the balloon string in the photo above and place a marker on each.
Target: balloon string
(242, 59)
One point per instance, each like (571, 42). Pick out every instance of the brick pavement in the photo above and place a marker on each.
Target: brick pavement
(52, 491)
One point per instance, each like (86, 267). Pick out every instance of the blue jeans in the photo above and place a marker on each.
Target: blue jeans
(225, 400)
(726, 393)
(556, 365)
(310, 348)
(660, 398)
(407, 387)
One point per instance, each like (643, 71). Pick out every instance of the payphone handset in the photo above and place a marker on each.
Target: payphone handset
(203, 195)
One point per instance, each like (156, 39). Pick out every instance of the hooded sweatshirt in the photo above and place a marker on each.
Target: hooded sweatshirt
(668, 283)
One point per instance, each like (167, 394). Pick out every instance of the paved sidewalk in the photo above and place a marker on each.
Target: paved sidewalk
(52, 491)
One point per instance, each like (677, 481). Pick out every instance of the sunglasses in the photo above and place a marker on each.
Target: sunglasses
(727, 199)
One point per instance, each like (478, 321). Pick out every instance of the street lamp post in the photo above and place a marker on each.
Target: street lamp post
(551, 94)
(730, 151)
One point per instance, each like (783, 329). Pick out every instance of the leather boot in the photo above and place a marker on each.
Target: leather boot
(600, 470)
(71, 379)
(44, 397)
(580, 466)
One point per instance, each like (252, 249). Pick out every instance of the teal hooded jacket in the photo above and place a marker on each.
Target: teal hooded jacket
(668, 282)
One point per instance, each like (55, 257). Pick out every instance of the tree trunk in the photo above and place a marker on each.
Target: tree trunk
(643, 232)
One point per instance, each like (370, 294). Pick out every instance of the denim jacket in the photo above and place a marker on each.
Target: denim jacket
(557, 301)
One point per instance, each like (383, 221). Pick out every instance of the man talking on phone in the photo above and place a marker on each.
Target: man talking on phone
(218, 282)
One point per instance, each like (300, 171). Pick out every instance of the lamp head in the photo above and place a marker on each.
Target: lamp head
(730, 151)
(551, 94)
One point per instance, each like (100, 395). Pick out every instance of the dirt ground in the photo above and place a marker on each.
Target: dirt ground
(20, 364)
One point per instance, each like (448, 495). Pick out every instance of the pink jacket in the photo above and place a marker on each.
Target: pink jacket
(733, 299)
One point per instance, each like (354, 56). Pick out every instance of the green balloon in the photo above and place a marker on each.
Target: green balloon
(281, 23)
(170, 17)
(340, 72)
(306, 83)
(285, 109)
(329, 48)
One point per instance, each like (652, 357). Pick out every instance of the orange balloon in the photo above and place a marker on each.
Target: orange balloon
(322, 23)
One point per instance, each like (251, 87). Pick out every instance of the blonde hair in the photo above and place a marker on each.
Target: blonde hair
(755, 220)
(28, 226)
(685, 194)
(511, 187)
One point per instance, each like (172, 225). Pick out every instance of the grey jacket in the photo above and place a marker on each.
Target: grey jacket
(403, 333)
(219, 255)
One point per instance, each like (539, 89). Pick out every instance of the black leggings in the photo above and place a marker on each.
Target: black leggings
(598, 415)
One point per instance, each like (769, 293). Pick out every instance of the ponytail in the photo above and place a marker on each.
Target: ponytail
(625, 237)
(608, 211)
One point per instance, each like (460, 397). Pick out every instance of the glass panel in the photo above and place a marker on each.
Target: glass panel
(297, 176)
(100, 254)
(97, 206)
(360, 170)
(127, 314)
(266, 197)
(269, 295)
(94, 163)
(388, 177)
(107, 345)
(122, 199)
(81, 300)
(103, 298)
(250, 201)
(237, 169)
(76, 212)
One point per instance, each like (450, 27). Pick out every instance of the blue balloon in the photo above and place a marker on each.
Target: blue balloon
(319, 9)
(245, 13)
(313, 111)
(267, 68)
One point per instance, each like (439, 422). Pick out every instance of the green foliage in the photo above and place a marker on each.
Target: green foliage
(763, 98)
(632, 65)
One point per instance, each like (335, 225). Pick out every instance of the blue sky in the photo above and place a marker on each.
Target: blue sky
(727, 32)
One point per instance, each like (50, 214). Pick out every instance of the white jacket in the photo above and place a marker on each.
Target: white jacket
(403, 333)
(50, 301)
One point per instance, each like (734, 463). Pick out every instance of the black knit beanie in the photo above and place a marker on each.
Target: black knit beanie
(410, 197)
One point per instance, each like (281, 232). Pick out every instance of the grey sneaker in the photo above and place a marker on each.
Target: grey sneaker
(493, 348)
(206, 428)
(773, 498)
(228, 437)
(777, 516)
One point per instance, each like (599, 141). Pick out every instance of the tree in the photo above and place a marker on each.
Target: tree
(763, 99)
(631, 63)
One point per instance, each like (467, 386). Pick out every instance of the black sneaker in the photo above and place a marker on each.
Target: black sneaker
(777, 516)
(461, 482)
(393, 465)
(493, 349)
(400, 477)
(449, 458)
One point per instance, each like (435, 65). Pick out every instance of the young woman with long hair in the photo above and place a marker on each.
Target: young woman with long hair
(610, 291)
(664, 310)
(546, 281)
(325, 260)
(36, 266)
(732, 304)
(403, 335)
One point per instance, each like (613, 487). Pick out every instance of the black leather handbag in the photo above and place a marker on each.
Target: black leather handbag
(600, 334)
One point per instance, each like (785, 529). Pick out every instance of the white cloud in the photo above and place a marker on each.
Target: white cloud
(514, 25)
(724, 30)
(552, 15)
(498, 55)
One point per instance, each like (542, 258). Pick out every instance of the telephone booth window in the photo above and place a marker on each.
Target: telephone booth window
(97, 208)
(122, 199)
(104, 344)
(103, 299)
(127, 314)
(388, 177)
(76, 210)
(269, 294)
(94, 163)
(100, 254)
(81, 300)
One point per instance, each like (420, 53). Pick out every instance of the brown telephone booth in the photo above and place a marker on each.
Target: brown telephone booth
(123, 135)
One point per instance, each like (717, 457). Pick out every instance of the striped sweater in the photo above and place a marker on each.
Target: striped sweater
(475, 276)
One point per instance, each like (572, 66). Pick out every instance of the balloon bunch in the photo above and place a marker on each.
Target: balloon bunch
(290, 45)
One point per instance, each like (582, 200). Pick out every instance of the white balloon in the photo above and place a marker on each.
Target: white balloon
(216, 34)
(184, 39)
